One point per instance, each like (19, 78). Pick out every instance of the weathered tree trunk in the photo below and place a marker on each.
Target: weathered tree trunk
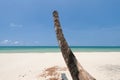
(76, 70)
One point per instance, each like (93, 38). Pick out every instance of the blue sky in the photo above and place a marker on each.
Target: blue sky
(84, 22)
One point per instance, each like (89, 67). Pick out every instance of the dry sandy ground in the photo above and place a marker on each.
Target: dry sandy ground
(50, 66)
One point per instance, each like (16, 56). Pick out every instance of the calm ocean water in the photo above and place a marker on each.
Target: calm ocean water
(43, 49)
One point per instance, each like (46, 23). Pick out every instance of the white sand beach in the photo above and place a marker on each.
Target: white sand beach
(42, 66)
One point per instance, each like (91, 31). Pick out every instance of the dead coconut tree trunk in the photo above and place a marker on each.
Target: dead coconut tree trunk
(76, 70)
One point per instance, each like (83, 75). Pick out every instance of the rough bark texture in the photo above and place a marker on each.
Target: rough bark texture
(76, 70)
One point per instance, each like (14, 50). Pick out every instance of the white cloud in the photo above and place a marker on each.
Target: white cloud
(10, 42)
(16, 42)
(6, 42)
(15, 25)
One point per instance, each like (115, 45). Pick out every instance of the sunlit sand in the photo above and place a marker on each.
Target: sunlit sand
(45, 66)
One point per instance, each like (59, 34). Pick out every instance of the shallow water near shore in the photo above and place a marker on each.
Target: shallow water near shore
(44, 49)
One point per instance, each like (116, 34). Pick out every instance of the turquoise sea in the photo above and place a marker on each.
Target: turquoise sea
(44, 49)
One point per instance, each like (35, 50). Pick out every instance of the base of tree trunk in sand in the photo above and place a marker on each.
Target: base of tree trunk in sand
(54, 73)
